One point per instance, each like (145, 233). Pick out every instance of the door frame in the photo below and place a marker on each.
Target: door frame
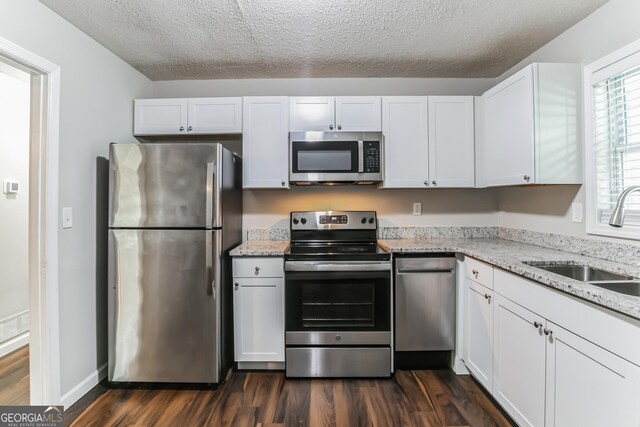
(44, 351)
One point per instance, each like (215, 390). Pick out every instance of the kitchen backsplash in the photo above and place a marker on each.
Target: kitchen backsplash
(612, 251)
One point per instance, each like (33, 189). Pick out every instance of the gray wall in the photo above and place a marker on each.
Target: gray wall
(96, 108)
(548, 209)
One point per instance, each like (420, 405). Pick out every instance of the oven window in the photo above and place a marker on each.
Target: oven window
(325, 160)
(337, 301)
(350, 305)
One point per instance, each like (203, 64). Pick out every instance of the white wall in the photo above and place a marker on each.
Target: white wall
(548, 209)
(14, 208)
(440, 207)
(320, 87)
(97, 89)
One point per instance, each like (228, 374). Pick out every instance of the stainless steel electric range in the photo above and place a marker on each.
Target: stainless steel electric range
(338, 297)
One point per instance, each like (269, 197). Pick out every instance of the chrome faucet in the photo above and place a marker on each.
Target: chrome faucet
(617, 217)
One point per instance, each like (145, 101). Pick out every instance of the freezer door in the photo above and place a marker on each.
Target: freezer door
(164, 305)
(165, 185)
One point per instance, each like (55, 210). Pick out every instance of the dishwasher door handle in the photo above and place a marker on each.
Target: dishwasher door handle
(421, 270)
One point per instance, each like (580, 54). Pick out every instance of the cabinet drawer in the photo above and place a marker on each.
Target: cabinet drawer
(258, 267)
(479, 272)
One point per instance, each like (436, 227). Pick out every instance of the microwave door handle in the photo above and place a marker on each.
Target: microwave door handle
(360, 157)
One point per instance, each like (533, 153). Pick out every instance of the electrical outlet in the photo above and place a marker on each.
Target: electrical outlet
(576, 212)
(417, 208)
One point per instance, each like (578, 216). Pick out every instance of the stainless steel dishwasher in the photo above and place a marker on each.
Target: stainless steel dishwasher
(425, 304)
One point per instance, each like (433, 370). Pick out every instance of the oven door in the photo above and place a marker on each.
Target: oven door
(337, 303)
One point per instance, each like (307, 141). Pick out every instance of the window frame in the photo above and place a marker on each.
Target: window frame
(610, 65)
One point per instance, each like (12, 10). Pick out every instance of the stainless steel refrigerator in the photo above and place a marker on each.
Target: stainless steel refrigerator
(175, 212)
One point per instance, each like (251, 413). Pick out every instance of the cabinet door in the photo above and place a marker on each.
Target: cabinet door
(479, 333)
(311, 113)
(451, 141)
(358, 113)
(215, 115)
(587, 385)
(258, 312)
(265, 142)
(519, 362)
(160, 116)
(509, 131)
(406, 146)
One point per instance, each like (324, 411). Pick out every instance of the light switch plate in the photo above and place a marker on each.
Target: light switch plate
(576, 212)
(417, 208)
(67, 217)
(10, 186)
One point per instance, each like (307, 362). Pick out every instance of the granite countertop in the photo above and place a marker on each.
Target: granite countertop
(510, 255)
(261, 248)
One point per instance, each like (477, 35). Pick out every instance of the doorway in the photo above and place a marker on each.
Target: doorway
(30, 187)
(15, 87)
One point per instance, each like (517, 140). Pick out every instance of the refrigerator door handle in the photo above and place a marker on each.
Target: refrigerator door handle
(209, 263)
(213, 194)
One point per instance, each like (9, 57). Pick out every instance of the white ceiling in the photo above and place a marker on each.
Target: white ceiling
(209, 39)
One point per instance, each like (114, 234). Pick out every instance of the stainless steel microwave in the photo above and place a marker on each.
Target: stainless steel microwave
(335, 158)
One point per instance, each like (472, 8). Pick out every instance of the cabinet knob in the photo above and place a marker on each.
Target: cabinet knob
(426, 183)
(434, 183)
(339, 127)
(547, 331)
(236, 285)
(537, 324)
(488, 298)
(257, 271)
(330, 127)
(190, 128)
(282, 183)
(475, 273)
(181, 129)
(527, 178)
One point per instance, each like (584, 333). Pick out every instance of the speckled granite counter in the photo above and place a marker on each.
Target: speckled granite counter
(261, 248)
(510, 255)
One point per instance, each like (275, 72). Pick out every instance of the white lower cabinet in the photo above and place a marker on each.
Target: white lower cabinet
(258, 313)
(479, 333)
(587, 385)
(544, 374)
(519, 362)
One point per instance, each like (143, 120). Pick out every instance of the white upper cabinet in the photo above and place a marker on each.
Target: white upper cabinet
(358, 113)
(265, 142)
(182, 116)
(328, 113)
(406, 146)
(214, 115)
(160, 116)
(429, 141)
(451, 141)
(311, 113)
(532, 127)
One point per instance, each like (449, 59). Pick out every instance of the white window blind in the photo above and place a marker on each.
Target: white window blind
(616, 133)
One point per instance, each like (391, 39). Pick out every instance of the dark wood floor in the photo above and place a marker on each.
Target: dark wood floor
(14, 377)
(411, 398)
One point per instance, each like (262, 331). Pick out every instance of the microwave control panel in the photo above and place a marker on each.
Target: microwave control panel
(371, 156)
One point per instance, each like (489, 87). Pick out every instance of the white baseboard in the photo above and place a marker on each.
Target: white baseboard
(83, 387)
(14, 344)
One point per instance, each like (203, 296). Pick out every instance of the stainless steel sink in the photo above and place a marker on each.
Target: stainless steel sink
(584, 273)
(628, 287)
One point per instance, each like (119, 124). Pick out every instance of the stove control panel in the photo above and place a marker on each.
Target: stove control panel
(334, 220)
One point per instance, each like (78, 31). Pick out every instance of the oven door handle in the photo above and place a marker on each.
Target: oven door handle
(337, 266)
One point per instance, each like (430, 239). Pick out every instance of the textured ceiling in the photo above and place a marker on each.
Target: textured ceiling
(209, 39)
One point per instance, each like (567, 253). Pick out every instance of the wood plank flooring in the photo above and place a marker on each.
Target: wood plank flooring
(14, 377)
(267, 399)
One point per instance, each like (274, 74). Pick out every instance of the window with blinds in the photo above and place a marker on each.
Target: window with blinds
(616, 133)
